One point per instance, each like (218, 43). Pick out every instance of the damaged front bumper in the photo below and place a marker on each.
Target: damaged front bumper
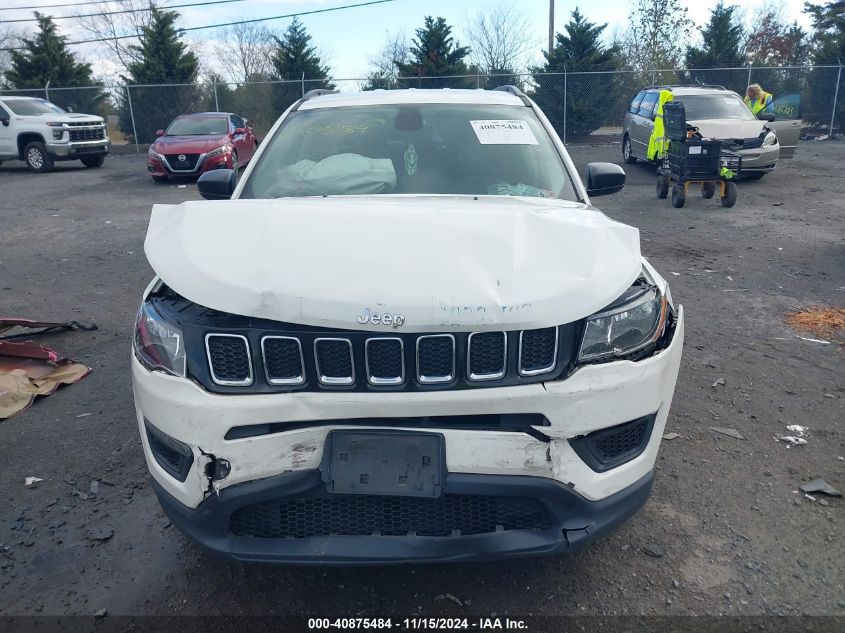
(260, 480)
(572, 522)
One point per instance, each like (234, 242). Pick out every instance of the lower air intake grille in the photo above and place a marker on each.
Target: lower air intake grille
(608, 448)
(537, 352)
(361, 515)
(173, 456)
(487, 355)
(228, 357)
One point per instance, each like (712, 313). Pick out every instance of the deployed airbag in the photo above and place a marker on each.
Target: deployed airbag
(342, 174)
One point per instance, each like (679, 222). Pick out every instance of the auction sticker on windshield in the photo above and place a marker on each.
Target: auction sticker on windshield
(495, 132)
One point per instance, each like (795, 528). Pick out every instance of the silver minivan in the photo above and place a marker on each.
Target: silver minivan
(717, 113)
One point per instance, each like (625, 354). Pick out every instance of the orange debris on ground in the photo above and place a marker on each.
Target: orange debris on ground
(819, 320)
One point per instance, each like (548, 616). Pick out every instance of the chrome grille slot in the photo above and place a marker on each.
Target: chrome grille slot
(229, 359)
(537, 351)
(436, 358)
(334, 361)
(384, 360)
(283, 362)
(487, 355)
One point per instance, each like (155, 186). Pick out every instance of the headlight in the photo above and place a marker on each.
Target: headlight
(157, 343)
(625, 329)
(152, 152)
(217, 152)
(771, 139)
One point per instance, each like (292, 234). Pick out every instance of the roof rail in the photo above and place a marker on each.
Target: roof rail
(317, 92)
(688, 86)
(514, 91)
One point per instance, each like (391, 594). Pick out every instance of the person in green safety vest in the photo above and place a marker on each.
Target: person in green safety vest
(658, 144)
(758, 100)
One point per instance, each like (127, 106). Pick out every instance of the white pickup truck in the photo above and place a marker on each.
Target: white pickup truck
(39, 133)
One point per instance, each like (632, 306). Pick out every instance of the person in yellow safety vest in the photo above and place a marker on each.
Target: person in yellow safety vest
(658, 144)
(757, 99)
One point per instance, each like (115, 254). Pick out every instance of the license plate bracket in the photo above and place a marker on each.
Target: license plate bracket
(404, 464)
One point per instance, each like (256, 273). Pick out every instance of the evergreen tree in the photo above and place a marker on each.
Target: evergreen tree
(435, 58)
(293, 59)
(162, 58)
(722, 41)
(46, 58)
(590, 99)
(722, 47)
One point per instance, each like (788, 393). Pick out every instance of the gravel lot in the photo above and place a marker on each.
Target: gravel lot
(727, 533)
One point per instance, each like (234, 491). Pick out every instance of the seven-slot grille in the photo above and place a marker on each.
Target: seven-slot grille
(283, 363)
(334, 361)
(488, 355)
(229, 359)
(385, 361)
(355, 360)
(436, 358)
(537, 351)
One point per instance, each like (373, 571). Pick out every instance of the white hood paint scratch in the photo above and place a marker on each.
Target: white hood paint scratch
(441, 261)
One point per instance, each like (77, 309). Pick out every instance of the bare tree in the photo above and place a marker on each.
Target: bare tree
(657, 34)
(8, 39)
(110, 25)
(384, 70)
(499, 37)
(244, 51)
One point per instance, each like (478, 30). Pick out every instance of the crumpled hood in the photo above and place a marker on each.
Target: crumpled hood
(440, 261)
(189, 144)
(728, 128)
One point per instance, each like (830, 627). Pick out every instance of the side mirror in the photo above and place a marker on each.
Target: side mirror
(238, 131)
(766, 116)
(4, 119)
(217, 184)
(159, 132)
(604, 179)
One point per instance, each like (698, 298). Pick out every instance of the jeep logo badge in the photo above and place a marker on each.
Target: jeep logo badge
(396, 320)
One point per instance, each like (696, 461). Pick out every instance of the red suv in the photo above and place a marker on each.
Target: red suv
(196, 143)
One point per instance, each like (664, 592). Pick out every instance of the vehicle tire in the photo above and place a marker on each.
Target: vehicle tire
(708, 190)
(235, 165)
(160, 178)
(753, 175)
(627, 153)
(662, 187)
(678, 198)
(729, 199)
(92, 162)
(36, 158)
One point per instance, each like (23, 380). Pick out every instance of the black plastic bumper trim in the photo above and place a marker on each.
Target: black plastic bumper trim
(576, 522)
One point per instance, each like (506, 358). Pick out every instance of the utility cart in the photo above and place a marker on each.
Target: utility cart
(693, 160)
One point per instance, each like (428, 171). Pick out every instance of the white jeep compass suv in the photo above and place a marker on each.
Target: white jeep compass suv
(404, 335)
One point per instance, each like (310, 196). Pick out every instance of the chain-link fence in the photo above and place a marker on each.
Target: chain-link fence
(583, 106)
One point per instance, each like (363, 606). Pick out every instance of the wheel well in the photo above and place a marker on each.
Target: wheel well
(25, 139)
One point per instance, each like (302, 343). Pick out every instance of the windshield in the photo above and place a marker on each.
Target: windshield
(716, 106)
(411, 149)
(198, 126)
(32, 107)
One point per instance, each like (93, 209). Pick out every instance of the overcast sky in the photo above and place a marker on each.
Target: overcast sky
(351, 37)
